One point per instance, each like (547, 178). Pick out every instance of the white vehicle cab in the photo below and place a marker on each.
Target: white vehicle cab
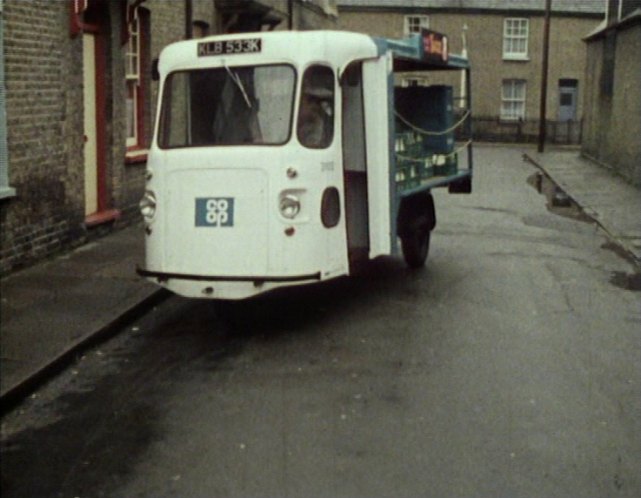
(281, 158)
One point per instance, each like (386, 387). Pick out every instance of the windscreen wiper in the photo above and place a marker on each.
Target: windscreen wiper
(236, 79)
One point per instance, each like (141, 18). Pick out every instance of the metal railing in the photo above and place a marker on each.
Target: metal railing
(493, 129)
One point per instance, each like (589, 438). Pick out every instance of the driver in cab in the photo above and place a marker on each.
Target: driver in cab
(315, 117)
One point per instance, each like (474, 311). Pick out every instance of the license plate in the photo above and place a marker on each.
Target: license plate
(225, 47)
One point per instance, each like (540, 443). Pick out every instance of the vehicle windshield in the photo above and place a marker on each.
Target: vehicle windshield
(249, 105)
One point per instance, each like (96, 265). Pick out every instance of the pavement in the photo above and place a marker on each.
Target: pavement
(54, 311)
(612, 202)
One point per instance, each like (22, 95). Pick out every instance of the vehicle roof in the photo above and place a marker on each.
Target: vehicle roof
(301, 48)
(295, 47)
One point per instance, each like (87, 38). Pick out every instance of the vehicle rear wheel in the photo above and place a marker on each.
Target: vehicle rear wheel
(415, 246)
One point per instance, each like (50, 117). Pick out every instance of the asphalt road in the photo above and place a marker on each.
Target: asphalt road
(509, 367)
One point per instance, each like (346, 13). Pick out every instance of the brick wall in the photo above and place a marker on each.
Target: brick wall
(613, 108)
(41, 104)
(44, 88)
(45, 118)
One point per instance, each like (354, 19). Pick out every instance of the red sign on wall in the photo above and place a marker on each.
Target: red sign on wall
(434, 46)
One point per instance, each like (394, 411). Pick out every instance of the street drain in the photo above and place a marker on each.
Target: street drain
(558, 201)
(627, 281)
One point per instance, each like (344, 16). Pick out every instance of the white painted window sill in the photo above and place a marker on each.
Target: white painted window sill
(136, 156)
(7, 192)
(516, 58)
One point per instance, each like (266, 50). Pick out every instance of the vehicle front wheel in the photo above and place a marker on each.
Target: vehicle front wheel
(415, 247)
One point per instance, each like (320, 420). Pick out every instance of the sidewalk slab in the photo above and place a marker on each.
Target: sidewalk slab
(611, 201)
(51, 311)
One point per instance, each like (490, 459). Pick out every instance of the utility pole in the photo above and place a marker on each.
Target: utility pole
(544, 75)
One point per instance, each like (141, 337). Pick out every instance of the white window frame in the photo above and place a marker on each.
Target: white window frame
(513, 104)
(414, 24)
(133, 80)
(5, 189)
(516, 31)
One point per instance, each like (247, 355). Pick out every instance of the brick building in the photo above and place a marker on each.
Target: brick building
(504, 42)
(612, 124)
(77, 103)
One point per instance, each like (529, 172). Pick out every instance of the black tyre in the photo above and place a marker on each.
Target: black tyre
(415, 246)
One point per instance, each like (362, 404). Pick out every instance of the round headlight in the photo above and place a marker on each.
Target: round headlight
(148, 205)
(289, 206)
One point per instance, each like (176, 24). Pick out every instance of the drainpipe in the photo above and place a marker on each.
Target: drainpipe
(544, 75)
(189, 30)
(290, 14)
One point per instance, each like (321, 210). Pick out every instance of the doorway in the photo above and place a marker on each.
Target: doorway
(568, 90)
(355, 163)
(90, 123)
(95, 36)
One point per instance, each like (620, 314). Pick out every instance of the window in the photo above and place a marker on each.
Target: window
(513, 100)
(316, 109)
(414, 24)
(5, 190)
(134, 81)
(515, 36)
(249, 105)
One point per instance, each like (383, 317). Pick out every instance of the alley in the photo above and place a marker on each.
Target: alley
(508, 367)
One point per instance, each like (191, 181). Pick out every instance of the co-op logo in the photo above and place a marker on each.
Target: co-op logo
(215, 212)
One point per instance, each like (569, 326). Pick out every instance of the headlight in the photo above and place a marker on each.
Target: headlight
(148, 205)
(289, 206)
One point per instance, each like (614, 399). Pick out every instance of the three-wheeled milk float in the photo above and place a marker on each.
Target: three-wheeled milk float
(285, 158)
